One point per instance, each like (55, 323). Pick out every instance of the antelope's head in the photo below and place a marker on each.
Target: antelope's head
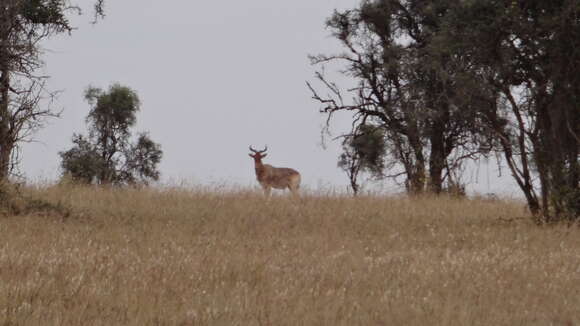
(258, 155)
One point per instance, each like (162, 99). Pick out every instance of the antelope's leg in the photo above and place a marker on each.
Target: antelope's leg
(267, 191)
(293, 190)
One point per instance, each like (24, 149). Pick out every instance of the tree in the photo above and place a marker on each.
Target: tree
(24, 24)
(525, 53)
(107, 155)
(455, 79)
(142, 160)
(363, 151)
(405, 84)
(82, 162)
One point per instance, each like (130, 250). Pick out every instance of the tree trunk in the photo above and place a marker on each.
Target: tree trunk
(6, 143)
(353, 176)
(416, 175)
(437, 157)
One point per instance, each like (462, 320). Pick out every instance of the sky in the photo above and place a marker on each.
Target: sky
(213, 78)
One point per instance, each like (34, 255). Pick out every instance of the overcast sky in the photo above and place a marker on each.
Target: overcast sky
(213, 77)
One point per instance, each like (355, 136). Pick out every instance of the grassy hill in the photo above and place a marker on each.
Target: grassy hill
(201, 257)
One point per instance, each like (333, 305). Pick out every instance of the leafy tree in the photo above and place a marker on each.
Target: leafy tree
(82, 161)
(525, 53)
(142, 160)
(107, 154)
(455, 79)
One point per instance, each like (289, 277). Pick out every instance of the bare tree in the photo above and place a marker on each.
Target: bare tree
(404, 84)
(525, 56)
(24, 99)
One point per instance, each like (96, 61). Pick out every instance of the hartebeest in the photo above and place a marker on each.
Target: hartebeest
(270, 177)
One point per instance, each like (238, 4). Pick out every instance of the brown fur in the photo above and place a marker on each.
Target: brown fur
(278, 178)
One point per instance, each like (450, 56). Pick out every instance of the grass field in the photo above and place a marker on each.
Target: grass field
(195, 257)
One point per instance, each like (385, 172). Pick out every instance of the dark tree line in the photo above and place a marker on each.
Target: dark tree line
(451, 80)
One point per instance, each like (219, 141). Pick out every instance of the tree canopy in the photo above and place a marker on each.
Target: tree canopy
(107, 155)
(451, 80)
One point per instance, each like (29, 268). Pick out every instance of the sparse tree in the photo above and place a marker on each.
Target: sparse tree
(524, 55)
(142, 160)
(453, 79)
(24, 24)
(405, 84)
(363, 151)
(107, 154)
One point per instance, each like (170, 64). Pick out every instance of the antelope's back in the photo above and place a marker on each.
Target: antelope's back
(283, 177)
(291, 177)
(285, 172)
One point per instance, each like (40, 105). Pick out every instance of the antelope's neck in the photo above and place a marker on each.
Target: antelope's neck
(260, 170)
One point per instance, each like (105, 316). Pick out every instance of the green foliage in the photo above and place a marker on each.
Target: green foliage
(527, 52)
(366, 146)
(113, 111)
(408, 83)
(142, 160)
(107, 154)
(364, 151)
(82, 162)
(47, 12)
(451, 80)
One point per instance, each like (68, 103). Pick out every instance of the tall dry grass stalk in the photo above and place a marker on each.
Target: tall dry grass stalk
(179, 257)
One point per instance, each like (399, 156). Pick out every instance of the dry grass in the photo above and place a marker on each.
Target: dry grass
(177, 257)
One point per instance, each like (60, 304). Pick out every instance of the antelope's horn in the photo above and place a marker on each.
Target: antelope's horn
(265, 149)
(253, 150)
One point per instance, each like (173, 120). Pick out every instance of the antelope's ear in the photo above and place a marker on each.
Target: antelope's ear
(250, 155)
(264, 155)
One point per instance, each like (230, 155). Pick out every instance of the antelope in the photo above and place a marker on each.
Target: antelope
(271, 177)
